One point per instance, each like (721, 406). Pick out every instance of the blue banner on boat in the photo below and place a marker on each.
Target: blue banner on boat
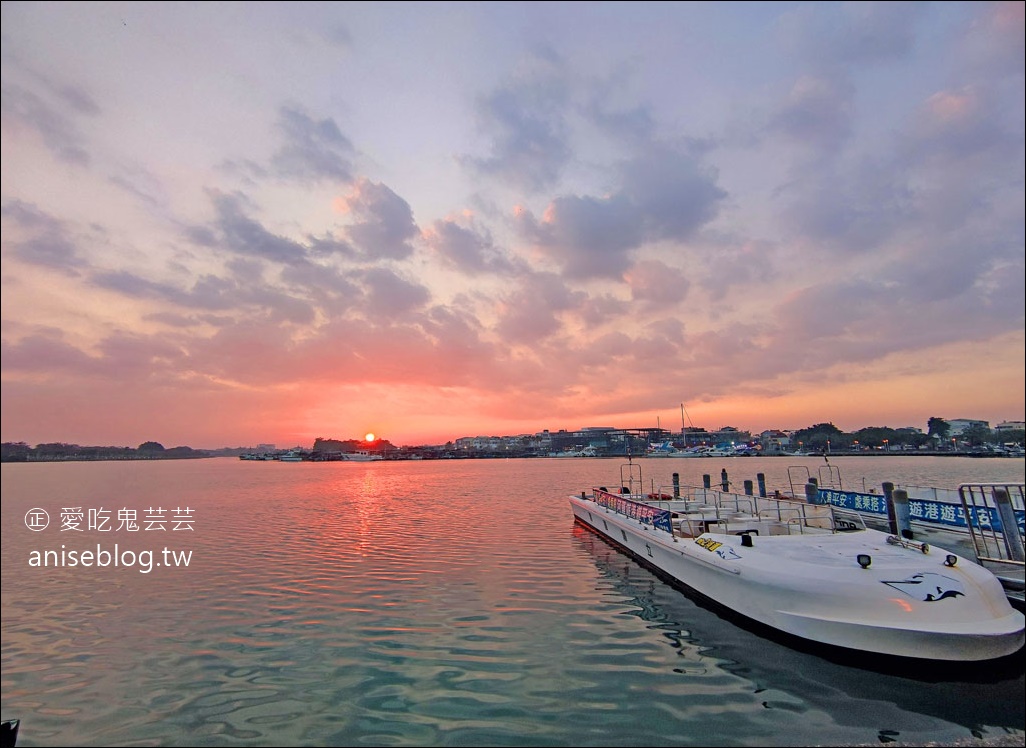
(921, 510)
(636, 510)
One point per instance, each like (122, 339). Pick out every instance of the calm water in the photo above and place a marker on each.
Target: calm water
(423, 603)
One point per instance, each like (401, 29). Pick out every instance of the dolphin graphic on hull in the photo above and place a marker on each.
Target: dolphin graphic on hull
(929, 587)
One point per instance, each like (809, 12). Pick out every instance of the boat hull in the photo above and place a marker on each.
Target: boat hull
(905, 603)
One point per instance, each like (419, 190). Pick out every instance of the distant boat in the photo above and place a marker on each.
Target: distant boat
(809, 570)
(291, 456)
(664, 449)
(362, 455)
(582, 452)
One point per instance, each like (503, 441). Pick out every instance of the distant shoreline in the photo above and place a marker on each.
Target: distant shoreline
(404, 455)
(107, 459)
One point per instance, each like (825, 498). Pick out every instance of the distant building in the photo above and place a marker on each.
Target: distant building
(959, 425)
(1011, 426)
(774, 442)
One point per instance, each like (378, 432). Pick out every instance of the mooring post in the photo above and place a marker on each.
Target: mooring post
(900, 510)
(676, 485)
(812, 492)
(749, 488)
(892, 521)
(723, 480)
(707, 480)
(762, 484)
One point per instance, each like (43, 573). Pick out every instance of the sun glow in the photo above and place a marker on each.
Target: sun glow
(368, 437)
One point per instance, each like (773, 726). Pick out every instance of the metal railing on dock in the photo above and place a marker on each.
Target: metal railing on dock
(996, 525)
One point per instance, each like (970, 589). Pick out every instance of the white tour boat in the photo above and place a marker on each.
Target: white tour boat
(362, 455)
(809, 570)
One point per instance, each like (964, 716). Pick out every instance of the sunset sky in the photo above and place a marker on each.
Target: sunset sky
(232, 223)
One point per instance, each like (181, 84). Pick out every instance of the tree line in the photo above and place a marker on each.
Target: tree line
(824, 437)
(57, 451)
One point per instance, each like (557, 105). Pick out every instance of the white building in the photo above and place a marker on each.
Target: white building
(959, 425)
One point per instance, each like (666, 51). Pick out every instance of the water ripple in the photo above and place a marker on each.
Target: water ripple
(410, 604)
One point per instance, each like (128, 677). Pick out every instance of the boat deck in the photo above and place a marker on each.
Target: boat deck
(705, 509)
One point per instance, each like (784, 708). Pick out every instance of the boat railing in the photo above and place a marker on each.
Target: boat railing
(846, 521)
(702, 507)
(697, 508)
(930, 493)
(827, 476)
(995, 514)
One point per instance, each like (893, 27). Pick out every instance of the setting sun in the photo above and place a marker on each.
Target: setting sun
(369, 437)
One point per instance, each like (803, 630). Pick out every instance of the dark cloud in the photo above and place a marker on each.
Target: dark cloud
(970, 263)
(752, 264)
(525, 121)
(597, 310)
(390, 295)
(45, 355)
(240, 233)
(143, 185)
(203, 236)
(57, 130)
(907, 306)
(329, 288)
(530, 312)
(183, 321)
(817, 112)
(587, 236)
(633, 126)
(875, 32)
(79, 100)
(135, 357)
(949, 168)
(993, 43)
(672, 191)
(959, 124)
(329, 246)
(467, 249)
(47, 242)
(385, 222)
(120, 357)
(665, 195)
(853, 211)
(30, 217)
(213, 293)
(656, 282)
(313, 150)
(852, 33)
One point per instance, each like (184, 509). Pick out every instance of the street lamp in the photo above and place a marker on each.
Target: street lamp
(886, 442)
